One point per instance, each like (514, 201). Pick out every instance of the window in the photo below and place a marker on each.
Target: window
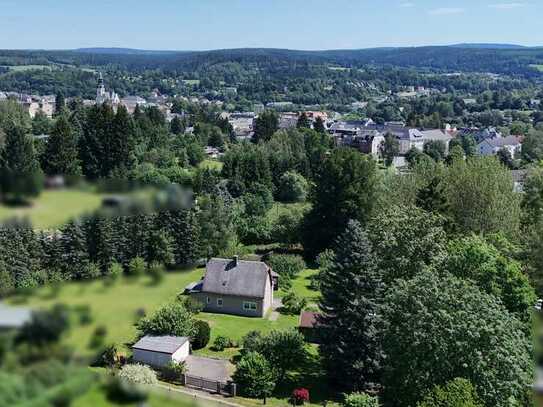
(208, 300)
(249, 306)
(219, 302)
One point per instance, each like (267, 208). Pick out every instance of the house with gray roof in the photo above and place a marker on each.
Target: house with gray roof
(491, 146)
(237, 287)
(159, 351)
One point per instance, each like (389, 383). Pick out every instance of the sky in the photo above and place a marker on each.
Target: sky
(294, 24)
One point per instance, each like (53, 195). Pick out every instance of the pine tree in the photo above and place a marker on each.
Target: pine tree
(75, 255)
(60, 103)
(20, 172)
(61, 155)
(121, 151)
(319, 125)
(351, 291)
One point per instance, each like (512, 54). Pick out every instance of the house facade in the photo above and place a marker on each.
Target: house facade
(494, 145)
(236, 287)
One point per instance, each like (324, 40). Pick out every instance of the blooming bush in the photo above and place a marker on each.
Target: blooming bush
(300, 396)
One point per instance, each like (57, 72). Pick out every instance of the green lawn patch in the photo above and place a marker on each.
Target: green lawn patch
(301, 285)
(115, 307)
(211, 165)
(54, 208)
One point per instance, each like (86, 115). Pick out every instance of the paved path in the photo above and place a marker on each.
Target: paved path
(211, 369)
(274, 315)
(212, 400)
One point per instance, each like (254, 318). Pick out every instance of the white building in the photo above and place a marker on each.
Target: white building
(491, 146)
(103, 96)
(159, 351)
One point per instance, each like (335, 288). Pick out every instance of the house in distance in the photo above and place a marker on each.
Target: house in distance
(236, 287)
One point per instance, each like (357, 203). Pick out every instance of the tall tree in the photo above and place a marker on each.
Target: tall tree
(390, 148)
(303, 121)
(266, 125)
(319, 125)
(121, 155)
(352, 288)
(20, 173)
(345, 189)
(438, 328)
(61, 154)
(60, 102)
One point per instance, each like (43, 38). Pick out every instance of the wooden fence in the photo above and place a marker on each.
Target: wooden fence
(228, 389)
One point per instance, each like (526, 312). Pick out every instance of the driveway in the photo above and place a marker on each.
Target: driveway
(207, 368)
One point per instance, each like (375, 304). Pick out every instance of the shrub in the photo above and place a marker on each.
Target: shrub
(202, 335)
(222, 342)
(300, 396)
(91, 271)
(156, 271)
(45, 327)
(138, 374)
(293, 304)
(109, 357)
(137, 267)
(360, 400)
(84, 313)
(457, 393)
(252, 342)
(173, 372)
(286, 265)
(98, 337)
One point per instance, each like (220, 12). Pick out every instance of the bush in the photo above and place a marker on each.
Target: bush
(173, 372)
(286, 265)
(300, 396)
(457, 393)
(156, 271)
(360, 400)
(222, 342)
(202, 335)
(45, 327)
(137, 267)
(91, 271)
(293, 187)
(293, 304)
(138, 374)
(98, 337)
(84, 313)
(109, 357)
(131, 384)
(252, 342)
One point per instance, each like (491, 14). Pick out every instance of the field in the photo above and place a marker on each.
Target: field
(115, 308)
(20, 68)
(54, 208)
(211, 165)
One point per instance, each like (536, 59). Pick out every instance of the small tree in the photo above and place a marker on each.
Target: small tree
(255, 376)
(293, 303)
(156, 271)
(293, 187)
(115, 271)
(390, 148)
(221, 343)
(284, 350)
(202, 335)
(172, 319)
(360, 400)
(456, 393)
(137, 267)
(173, 371)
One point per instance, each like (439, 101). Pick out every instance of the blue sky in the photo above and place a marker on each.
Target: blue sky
(295, 24)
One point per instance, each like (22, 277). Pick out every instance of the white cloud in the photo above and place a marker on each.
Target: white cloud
(407, 4)
(506, 6)
(444, 11)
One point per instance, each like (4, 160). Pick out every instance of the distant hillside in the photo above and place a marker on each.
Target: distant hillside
(488, 46)
(124, 51)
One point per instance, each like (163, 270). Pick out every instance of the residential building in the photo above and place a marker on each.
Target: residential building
(491, 146)
(159, 351)
(237, 287)
(437, 135)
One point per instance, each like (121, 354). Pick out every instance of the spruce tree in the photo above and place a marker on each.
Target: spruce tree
(75, 255)
(352, 288)
(61, 155)
(122, 143)
(20, 172)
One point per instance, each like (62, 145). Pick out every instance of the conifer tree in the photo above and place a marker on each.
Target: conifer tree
(75, 255)
(351, 291)
(61, 155)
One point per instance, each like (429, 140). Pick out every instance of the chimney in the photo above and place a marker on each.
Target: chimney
(235, 259)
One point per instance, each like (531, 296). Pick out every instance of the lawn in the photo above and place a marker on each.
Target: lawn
(54, 208)
(211, 165)
(115, 308)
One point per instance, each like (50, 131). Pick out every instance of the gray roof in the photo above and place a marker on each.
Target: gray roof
(161, 344)
(503, 141)
(239, 278)
(13, 317)
(436, 135)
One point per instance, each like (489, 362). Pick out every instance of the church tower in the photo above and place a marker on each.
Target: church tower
(101, 95)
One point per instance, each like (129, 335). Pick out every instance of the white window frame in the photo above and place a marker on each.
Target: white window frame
(220, 302)
(250, 306)
(208, 300)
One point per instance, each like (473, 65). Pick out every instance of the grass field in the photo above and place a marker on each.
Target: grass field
(20, 68)
(54, 208)
(211, 164)
(115, 308)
